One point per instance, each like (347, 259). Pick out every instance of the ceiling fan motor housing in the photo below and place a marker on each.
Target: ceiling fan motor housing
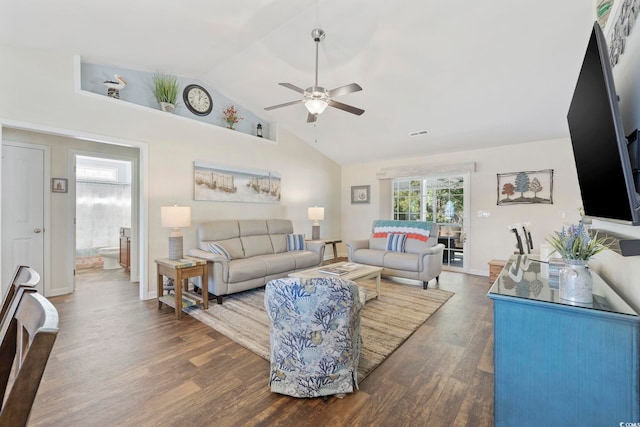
(316, 92)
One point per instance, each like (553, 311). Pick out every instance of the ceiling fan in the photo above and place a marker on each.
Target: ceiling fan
(317, 98)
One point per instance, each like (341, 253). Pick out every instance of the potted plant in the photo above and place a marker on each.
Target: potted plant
(230, 116)
(576, 246)
(165, 89)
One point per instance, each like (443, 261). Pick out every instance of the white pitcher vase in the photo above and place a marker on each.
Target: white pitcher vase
(575, 282)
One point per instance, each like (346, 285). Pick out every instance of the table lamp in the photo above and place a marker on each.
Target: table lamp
(175, 217)
(315, 214)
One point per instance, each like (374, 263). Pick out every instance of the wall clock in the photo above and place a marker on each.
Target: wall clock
(197, 100)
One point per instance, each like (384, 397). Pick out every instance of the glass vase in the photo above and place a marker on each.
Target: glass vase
(575, 282)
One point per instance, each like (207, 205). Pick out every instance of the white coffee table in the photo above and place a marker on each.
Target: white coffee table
(358, 272)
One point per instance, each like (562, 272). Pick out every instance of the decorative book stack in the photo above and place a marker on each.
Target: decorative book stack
(555, 265)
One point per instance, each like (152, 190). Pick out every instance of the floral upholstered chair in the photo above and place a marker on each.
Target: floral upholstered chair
(314, 335)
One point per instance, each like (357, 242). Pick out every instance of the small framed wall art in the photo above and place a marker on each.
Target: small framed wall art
(59, 185)
(360, 194)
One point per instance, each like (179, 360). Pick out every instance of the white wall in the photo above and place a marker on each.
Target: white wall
(623, 272)
(488, 238)
(37, 88)
(60, 226)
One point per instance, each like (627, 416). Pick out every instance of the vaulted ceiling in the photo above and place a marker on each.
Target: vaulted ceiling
(472, 74)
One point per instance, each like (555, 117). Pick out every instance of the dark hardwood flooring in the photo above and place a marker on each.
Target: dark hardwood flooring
(119, 361)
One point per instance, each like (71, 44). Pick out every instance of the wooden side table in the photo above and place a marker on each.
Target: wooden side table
(181, 270)
(333, 244)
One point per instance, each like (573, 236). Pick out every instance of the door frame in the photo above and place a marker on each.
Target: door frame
(143, 198)
(466, 200)
(135, 201)
(46, 206)
(428, 174)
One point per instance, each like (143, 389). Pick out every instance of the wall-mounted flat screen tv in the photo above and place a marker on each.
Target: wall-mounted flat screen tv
(599, 146)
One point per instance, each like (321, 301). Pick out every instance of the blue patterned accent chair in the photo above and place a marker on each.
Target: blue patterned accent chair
(314, 335)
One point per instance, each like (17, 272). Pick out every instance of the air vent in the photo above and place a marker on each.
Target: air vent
(418, 133)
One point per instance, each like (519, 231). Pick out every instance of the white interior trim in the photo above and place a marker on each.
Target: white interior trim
(425, 170)
(143, 173)
(134, 270)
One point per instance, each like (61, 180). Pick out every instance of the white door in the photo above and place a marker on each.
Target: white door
(22, 211)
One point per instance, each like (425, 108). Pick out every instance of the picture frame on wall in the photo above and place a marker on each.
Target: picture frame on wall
(58, 185)
(525, 187)
(360, 194)
(217, 183)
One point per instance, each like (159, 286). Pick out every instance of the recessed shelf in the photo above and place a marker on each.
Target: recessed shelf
(89, 78)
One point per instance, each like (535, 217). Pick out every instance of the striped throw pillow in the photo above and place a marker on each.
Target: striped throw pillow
(217, 249)
(395, 242)
(295, 242)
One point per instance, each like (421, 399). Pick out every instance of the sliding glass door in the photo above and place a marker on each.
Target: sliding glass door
(440, 199)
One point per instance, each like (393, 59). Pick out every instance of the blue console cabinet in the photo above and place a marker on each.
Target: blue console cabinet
(558, 363)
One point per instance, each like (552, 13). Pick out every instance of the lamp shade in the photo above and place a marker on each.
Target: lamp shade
(315, 106)
(315, 213)
(175, 216)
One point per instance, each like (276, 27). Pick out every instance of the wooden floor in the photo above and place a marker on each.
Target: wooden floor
(119, 361)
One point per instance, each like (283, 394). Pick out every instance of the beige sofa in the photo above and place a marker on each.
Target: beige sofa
(419, 258)
(253, 252)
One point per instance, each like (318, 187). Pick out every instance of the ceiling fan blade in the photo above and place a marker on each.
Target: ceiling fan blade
(343, 90)
(286, 104)
(292, 87)
(311, 118)
(345, 107)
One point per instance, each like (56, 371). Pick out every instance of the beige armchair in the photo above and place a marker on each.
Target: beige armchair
(420, 258)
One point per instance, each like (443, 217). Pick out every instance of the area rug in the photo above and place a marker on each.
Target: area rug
(386, 322)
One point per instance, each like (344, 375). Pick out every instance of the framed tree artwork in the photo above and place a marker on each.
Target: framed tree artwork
(525, 187)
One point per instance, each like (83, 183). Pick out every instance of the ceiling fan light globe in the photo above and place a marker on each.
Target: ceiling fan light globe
(315, 106)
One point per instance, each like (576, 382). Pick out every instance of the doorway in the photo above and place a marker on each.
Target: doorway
(103, 212)
(60, 207)
(443, 199)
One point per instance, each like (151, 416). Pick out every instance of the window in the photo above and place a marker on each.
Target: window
(95, 173)
(438, 199)
(407, 199)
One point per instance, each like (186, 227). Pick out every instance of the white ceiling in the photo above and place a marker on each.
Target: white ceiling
(472, 73)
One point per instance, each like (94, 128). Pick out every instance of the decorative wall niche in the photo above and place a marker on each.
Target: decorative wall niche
(138, 90)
